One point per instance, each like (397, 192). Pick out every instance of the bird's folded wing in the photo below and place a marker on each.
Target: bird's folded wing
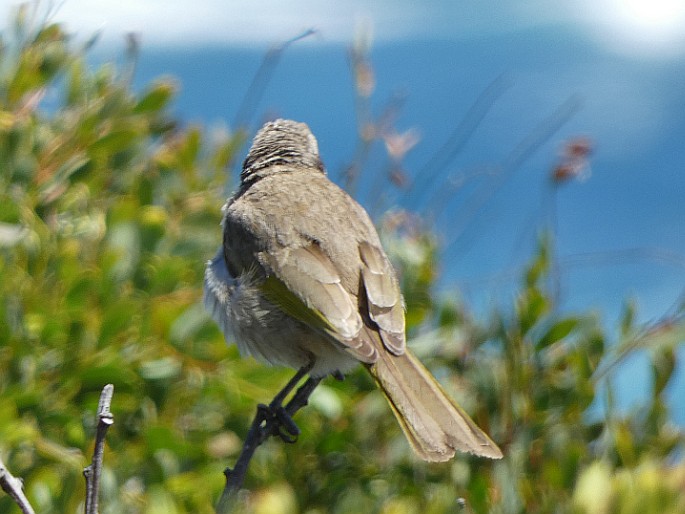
(304, 283)
(383, 297)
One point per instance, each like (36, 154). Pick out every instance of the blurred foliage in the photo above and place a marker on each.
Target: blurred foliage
(109, 208)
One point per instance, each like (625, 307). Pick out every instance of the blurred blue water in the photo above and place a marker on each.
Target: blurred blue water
(619, 234)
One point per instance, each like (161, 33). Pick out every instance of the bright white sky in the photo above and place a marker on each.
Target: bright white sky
(655, 27)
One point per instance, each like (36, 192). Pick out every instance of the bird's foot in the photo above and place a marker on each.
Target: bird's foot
(275, 420)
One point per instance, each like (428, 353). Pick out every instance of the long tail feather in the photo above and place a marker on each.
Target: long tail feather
(435, 425)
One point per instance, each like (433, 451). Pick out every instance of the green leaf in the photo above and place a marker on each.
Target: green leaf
(160, 369)
(663, 366)
(532, 305)
(114, 142)
(557, 332)
(116, 373)
(628, 318)
(537, 269)
(190, 149)
(155, 99)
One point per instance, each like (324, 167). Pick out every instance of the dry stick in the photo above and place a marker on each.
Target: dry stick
(648, 335)
(255, 91)
(514, 160)
(378, 191)
(428, 174)
(92, 473)
(362, 110)
(14, 487)
(266, 423)
(262, 78)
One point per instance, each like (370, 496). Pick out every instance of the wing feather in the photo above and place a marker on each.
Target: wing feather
(309, 275)
(383, 297)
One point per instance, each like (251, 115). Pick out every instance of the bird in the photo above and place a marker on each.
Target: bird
(302, 280)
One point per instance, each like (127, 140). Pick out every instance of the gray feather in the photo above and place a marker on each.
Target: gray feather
(218, 287)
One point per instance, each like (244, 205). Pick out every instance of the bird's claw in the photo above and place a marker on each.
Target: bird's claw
(277, 421)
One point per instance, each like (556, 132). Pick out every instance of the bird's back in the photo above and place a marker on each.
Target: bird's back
(290, 209)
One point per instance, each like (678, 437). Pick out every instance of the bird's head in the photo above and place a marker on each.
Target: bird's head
(281, 145)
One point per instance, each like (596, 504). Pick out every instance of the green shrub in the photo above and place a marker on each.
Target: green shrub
(109, 207)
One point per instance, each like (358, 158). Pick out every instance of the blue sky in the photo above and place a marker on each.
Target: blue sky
(619, 232)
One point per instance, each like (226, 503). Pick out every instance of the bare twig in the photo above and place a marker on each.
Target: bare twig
(667, 331)
(262, 78)
(271, 420)
(14, 487)
(364, 83)
(532, 142)
(92, 473)
(428, 174)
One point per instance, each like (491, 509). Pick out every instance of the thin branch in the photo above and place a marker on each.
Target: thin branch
(670, 328)
(271, 420)
(262, 78)
(364, 84)
(93, 472)
(14, 487)
(428, 174)
(526, 147)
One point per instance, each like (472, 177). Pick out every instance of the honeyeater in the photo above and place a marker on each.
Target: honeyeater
(302, 280)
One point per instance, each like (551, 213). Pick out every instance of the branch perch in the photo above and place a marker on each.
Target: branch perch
(93, 472)
(270, 420)
(14, 487)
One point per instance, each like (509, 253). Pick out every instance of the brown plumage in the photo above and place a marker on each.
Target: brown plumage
(302, 278)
